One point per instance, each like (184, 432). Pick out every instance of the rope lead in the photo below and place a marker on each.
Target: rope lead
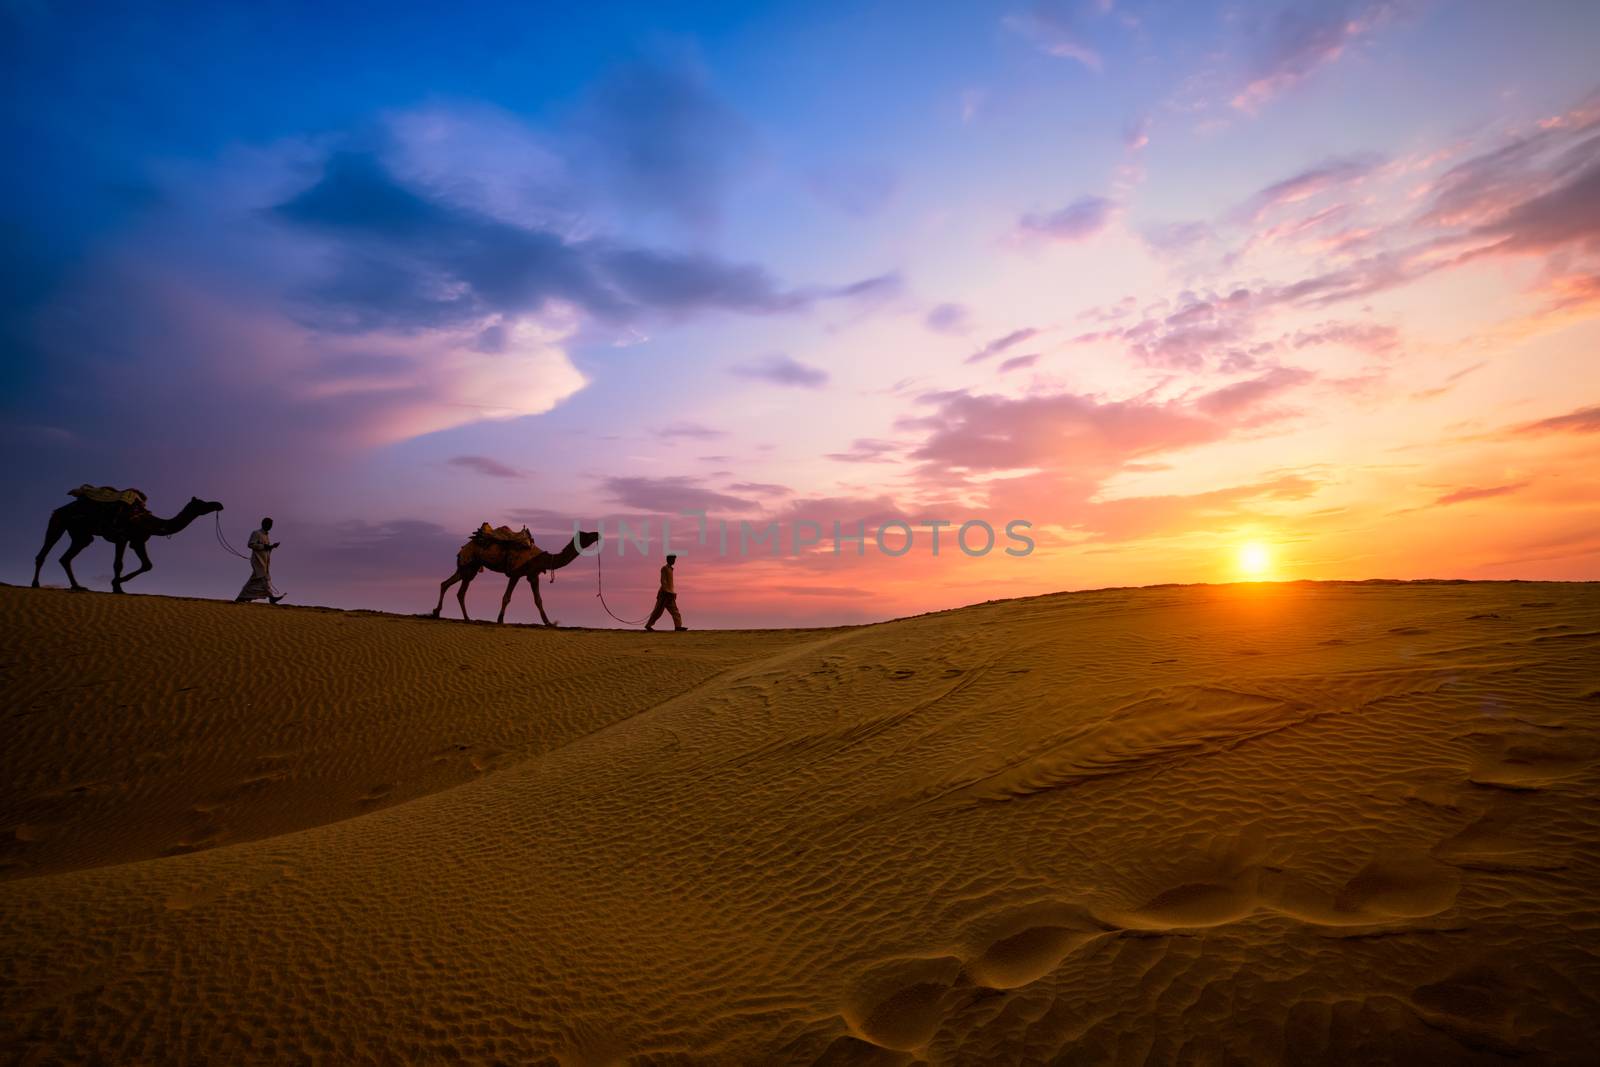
(600, 591)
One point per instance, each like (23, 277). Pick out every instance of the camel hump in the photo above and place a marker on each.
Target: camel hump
(105, 494)
(487, 535)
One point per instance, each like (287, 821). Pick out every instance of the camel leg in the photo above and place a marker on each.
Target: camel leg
(443, 586)
(51, 536)
(116, 566)
(144, 562)
(505, 601)
(538, 601)
(461, 597)
(79, 543)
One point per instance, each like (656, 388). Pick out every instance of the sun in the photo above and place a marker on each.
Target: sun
(1255, 560)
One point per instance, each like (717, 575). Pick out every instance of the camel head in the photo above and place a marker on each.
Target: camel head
(586, 538)
(202, 507)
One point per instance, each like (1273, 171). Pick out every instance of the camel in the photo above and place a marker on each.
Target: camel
(515, 562)
(121, 523)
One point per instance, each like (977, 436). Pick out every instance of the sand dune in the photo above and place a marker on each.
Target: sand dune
(1308, 823)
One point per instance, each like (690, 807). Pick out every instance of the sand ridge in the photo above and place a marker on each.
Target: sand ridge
(1301, 823)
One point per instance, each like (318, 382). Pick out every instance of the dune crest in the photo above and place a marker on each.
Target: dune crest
(1298, 823)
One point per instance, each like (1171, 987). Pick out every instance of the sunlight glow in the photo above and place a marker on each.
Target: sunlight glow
(1254, 560)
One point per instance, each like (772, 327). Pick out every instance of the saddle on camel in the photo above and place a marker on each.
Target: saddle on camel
(501, 544)
(122, 507)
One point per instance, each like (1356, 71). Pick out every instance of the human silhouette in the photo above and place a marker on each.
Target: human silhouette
(260, 583)
(666, 599)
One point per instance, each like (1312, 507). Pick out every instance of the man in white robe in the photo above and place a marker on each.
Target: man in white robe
(260, 583)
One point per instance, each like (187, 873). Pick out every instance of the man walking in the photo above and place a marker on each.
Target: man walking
(260, 583)
(666, 599)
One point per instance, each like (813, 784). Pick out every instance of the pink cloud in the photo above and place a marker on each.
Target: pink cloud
(1000, 344)
(1306, 37)
(1052, 30)
(1461, 496)
(485, 465)
(985, 432)
(1230, 401)
(1078, 221)
(1018, 363)
(1583, 420)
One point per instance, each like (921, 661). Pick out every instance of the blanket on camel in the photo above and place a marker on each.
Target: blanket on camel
(105, 494)
(486, 535)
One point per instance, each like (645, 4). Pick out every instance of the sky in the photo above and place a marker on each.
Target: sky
(1154, 291)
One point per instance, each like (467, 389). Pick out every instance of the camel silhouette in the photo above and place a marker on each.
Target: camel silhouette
(120, 523)
(514, 561)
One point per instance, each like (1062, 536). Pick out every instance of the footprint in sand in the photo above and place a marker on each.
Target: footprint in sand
(1399, 885)
(1195, 904)
(205, 836)
(377, 793)
(1392, 886)
(1026, 944)
(1479, 992)
(1219, 887)
(1474, 1004)
(900, 1004)
(1490, 843)
(1526, 762)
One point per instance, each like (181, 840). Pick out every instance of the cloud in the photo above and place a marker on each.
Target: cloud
(1136, 134)
(358, 550)
(1314, 181)
(663, 140)
(1000, 344)
(1141, 517)
(867, 450)
(1566, 214)
(948, 318)
(782, 370)
(1214, 329)
(1461, 496)
(985, 433)
(401, 260)
(1535, 195)
(1088, 435)
(1373, 338)
(844, 591)
(1078, 221)
(493, 468)
(1177, 237)
(760, 488)
(1230, 401)
(1305, 37)
(688, 431)
(1449, 383)
(1018, 363)
(1582, 420)
(672, 495)
(1052, 30)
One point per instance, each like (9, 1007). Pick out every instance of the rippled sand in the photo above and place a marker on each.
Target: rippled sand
(1287, 823)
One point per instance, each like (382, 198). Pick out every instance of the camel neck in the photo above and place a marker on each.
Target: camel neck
(174, 524)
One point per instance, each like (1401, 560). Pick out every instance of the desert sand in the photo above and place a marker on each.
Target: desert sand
(1298, 823)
